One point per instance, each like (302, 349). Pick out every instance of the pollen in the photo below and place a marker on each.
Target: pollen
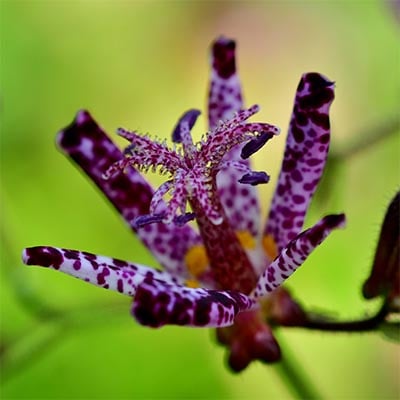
(192, 283)
(246, 239)
(270, 247)
(196, 260)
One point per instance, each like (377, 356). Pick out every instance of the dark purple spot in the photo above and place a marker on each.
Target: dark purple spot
(287, 224)
(298, 133)
(324, 139)
(296, 175)
(300, 118)
(76, 265)
(268, 288)
(312, 162)
(320, 119)
(288, 164)
(202, 312)
(101, 277)
(119, 263)
(316, 100)
(298, 199)
(71, 254)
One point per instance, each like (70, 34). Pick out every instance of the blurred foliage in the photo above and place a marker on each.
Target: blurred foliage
(140, 64)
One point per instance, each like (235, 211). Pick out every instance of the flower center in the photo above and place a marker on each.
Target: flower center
(193, 167)
(192, 170)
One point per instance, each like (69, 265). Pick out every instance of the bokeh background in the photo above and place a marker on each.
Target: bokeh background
(140, 64)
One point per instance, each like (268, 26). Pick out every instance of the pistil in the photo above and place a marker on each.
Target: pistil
(229, 262)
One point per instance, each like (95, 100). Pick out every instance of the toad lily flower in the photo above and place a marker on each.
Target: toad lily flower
(218, 275)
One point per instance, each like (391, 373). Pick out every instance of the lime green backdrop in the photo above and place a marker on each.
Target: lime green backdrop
(140, 64)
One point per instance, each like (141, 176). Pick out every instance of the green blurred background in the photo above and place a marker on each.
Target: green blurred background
(140, 64)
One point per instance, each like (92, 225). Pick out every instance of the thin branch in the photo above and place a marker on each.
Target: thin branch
(368, 138)
(361, 325)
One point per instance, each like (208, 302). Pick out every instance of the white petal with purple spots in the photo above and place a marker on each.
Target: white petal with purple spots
(295, 253)
(105, 272)
(88, 146)
(158, 303)
(304, 159)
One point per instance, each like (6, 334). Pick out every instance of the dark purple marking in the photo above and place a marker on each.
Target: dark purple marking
(255, 144)
(298, 199)
(296, 175)
(254, 178)
(101, 277)
(120, 285)
(71, 254)
(147, 219)
(202, 312)
(181, 220)
(77, 265)
(298, 134)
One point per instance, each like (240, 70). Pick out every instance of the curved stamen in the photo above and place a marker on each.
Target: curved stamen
(254, 145)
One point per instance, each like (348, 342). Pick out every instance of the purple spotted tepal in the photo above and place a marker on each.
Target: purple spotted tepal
(223, 274)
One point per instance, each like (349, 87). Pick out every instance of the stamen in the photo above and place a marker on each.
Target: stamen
(147, 219)
(181, 220)
(256, 144)
(254, 178)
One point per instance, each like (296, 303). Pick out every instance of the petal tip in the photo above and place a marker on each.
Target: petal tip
(224, 41)
(25, 257)
(317, 80)
(336, 220)
(70, 136)
(44, 256)
(223, 54)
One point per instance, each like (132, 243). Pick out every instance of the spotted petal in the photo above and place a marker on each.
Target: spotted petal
(159, 297)
(158, 303)
(225, 98)
(295, 253)
(304, 159)
(108, 273)
(87, 144)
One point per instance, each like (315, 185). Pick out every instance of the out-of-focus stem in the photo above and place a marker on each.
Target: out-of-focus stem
(294, 375)
(369, 137)
(22, 351)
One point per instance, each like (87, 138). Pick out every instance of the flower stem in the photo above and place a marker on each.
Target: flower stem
(294, 376)
(362, 325)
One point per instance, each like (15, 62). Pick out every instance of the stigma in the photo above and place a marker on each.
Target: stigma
(192, 167)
